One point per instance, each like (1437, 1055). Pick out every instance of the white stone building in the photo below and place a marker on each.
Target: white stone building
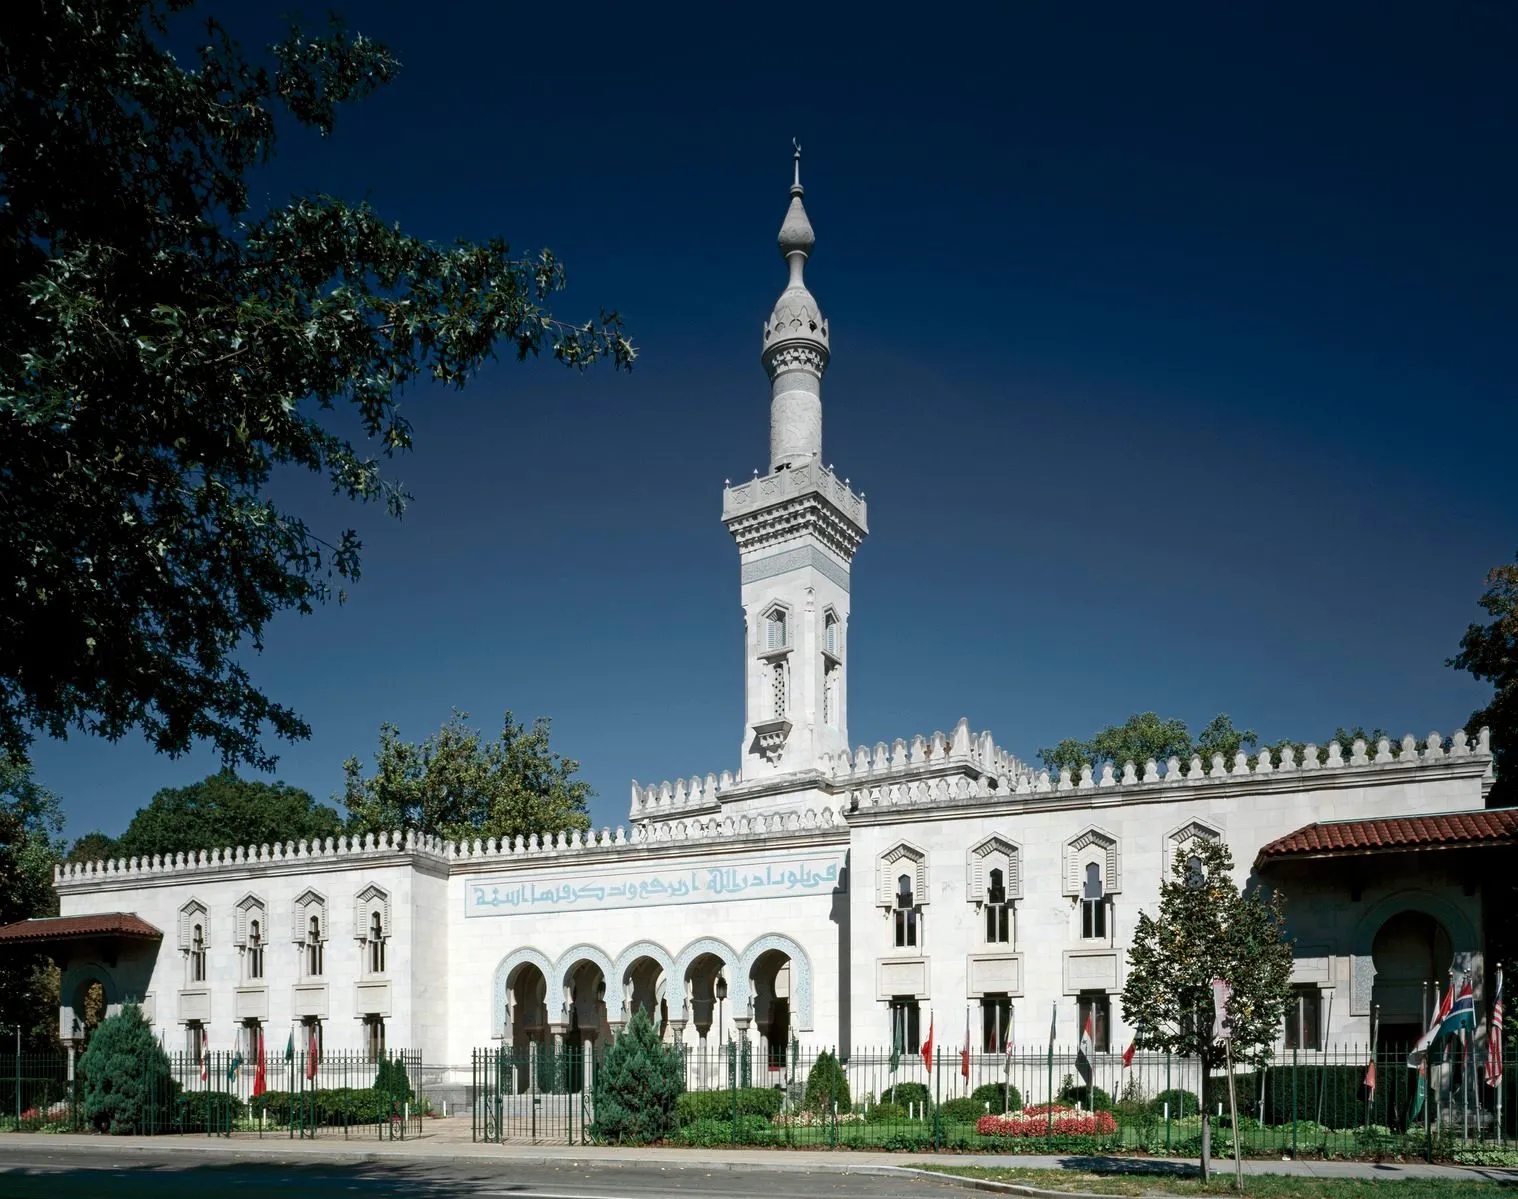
(829, 893)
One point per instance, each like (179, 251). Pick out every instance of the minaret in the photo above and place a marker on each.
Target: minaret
(797, 529)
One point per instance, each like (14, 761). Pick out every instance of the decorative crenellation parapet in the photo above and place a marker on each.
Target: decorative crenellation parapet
(764, 490)
(974, 757)
(339, 851)
(867, 792)
(691, 795)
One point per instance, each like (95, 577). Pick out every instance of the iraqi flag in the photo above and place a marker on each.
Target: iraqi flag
(260, 1084)
(1086, 1050)
(927, 1046)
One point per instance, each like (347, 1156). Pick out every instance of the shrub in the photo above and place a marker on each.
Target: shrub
(392, 1080)
(1008, 1099)
(637, 1087)
(718, 1105)
(964, 1109)
(827, 1085)
(723, 1132)
(904, 1093)
(127, 1084)
(195, 1111)
(1183, 1104)
(1092, 1098)
(882, 1113)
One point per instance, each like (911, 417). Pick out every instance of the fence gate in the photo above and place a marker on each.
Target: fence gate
(533, 1094)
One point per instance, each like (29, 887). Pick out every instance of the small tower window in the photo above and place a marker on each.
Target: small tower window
(197, 954)
(830, 634)
(1093, 905)
(774, 630)
(314, 948)
(905, 915)
(777, 690)
(998, 916)
(255, 952)
(376, 944)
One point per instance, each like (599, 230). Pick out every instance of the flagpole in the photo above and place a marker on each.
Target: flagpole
(1497, 1084)
(1053, 1022)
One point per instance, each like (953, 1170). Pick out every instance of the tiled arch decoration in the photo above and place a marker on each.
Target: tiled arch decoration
(500, 987)
(688, 955)
(801, 976)
(597, 957)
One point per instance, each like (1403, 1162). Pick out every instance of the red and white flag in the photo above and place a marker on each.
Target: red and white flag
(964, 1053)
(1494, 1039)
(927, 1046)
(205, 1054)
(1086, 1050)
(1128, 1053)
(313, 1056)
(260, 1082)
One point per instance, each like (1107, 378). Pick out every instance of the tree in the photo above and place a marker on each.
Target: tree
(826, 1086)
(1207, 928)
(31, 843)
(1144, 737)
(94, 847)
(1490, 653)
(126, 1075)
(224, 810)
(164, 349)
(459, 786)
(638, 1085)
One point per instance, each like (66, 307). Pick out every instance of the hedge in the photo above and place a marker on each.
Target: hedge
(995, 1093)
(904, 1093)
(718, 1105)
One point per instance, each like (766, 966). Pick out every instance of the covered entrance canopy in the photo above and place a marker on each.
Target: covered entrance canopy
(105, 960)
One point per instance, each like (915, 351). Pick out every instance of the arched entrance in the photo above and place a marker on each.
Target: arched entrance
(527, 1012)
(1411, 953)
(585, 1018)
(770, 985)
(643, 983)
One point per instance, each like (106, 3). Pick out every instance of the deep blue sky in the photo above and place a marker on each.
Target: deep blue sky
(1172, 347)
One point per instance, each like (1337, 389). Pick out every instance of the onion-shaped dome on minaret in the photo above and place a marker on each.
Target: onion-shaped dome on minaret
(795, 346)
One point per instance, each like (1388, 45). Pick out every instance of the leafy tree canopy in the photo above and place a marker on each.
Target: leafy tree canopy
(1144, 736)
(458, 785)
(219, 811)
(31, 826)
(1207, 928)
(1490, 653)
(164, 347)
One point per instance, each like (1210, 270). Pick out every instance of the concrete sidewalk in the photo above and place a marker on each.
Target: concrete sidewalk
(439, 1147)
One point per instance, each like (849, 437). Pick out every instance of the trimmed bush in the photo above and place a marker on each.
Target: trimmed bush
(638, 1086)
(1092, 1099)
(723, 1132)
(196, 1111)
(718, 1105)
(392, 1080)
(963, 1109)
(827, 1085)
(905, 1093)
(884, 1113)
(127, 1085)
(1008, 1099)
(1183, 1104)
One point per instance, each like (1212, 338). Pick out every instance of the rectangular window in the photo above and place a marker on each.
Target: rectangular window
(1094, 919)
(995, 1023)
(998, 924)
(1098, 1006)
(1304, 1018)
(904, 1025)
(194, 1040)
(906, 928)
(255, 955)
(374, 1037)
(250, 1030)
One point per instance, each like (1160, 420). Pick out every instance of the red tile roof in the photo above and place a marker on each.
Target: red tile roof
(69, 928)
(1444, 830)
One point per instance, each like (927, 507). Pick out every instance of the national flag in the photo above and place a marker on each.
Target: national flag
(1128, 1053)
(1222, 1026)
(234, 1066)
(1370, 1079)
(1419, 1095)
(896, 1042)
(964, 1053)
(1494, 1039)
(205, 1054)
(1461, 1013)
(927, 1046)
(313, 1056)
(1420, 1050)
(1086, 1050)
(260, 1084)
(290, 1047)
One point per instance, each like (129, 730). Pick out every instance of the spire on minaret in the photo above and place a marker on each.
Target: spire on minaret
(795, 345)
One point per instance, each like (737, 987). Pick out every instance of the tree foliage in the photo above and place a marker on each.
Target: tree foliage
(164, 349)
(31, 843)
(1490, 653)
(826, 1085)
(125, 1072)
(1145, 736)
(638, 1086)
(221, 810)
(1207, 928)
(460, 786)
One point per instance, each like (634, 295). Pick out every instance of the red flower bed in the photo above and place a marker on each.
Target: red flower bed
(1035, 1122)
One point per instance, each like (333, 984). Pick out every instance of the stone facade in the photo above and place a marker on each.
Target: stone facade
(832, 894)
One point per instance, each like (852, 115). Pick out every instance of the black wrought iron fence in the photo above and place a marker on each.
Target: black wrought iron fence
(222, 1093)
(1322, 1103)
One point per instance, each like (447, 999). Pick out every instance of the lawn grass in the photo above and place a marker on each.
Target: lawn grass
(1169, 1179)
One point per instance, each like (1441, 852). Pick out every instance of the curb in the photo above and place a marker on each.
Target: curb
(1007, 1188)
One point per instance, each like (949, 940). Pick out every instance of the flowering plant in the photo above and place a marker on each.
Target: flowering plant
(1036, 1122)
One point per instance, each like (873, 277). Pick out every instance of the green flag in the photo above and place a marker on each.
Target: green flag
(896, 1043)
(234, 1066)
(290, 1047)
(1418, 1096)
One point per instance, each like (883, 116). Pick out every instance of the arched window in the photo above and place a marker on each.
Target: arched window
(314, 947)
(197, 954)
(830, 634)
(1093, 905)
(774, 630)
(376, 944)
(905, 915)
(1196, 876)
(998, 914)
(255, 951)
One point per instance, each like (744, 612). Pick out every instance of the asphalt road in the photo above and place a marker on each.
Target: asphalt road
(74, 1172)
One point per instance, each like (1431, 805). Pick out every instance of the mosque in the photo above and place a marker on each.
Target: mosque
(817, 891)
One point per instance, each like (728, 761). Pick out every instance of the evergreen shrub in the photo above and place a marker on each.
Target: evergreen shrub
(1183, 1104)
(1008, 1099)
(638, 1086)
(904, 1093)
(964, 1109)
(827, 1085)
(718, 1105)
(1093, 1098)
(885, 1113)
(393, 1081)
(198, 1111)
(128, 1087)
